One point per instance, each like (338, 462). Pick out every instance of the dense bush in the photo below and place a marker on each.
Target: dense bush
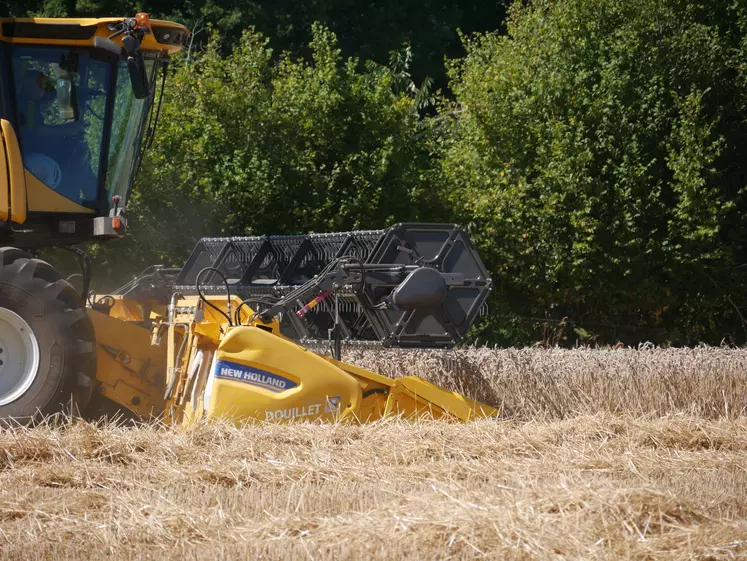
(597, 152)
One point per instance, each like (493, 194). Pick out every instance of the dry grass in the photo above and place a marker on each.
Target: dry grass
(570, 483)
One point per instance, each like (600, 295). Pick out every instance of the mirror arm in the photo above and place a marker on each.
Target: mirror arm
(109, 46)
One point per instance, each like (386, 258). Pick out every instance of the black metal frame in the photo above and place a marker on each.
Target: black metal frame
(356, 273)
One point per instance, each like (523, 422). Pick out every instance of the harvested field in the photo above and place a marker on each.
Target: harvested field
(664, 478)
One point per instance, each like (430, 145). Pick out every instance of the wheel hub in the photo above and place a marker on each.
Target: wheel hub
(19, 356)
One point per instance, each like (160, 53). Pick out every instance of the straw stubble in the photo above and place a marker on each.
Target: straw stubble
(652, 467)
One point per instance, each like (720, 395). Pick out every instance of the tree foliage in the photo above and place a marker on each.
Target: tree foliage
(594, 148)
(366, 30)
(597, 152)
(247, 146)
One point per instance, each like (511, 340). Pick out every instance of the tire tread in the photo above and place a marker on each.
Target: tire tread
(65, 320)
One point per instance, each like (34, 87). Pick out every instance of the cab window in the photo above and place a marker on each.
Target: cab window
(60, 97)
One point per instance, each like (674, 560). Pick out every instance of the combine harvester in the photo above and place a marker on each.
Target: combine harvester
(222, 336)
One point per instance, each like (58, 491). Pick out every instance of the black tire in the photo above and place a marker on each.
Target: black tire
(52, 309)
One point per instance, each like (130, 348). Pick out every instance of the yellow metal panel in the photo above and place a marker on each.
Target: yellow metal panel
(45, 199)
(373, 404)
(149, 43)
(127, 310)
(264, 377)
(414, 396)
(403, 402)
(15, 173)
(361, 372)
(129, 370)
(375, 390)
(4, 184)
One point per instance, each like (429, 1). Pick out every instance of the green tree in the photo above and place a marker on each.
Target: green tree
(366, 30)
(249, 146)
(596, 151)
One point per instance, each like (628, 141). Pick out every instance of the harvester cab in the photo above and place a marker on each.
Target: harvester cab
(75, 103)
(221, 336)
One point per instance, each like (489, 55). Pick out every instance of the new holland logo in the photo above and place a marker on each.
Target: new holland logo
(253, 376)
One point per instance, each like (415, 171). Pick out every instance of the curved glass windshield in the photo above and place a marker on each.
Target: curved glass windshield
(60, 96)
(127, 130)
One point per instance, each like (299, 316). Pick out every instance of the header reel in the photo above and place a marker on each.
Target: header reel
(411, 285)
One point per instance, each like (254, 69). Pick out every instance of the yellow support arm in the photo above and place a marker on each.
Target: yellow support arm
(14, 197)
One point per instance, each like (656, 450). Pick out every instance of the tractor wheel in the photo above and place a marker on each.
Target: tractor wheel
(47, 342)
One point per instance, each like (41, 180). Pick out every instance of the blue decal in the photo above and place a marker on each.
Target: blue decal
(254, 376)
(332, 404)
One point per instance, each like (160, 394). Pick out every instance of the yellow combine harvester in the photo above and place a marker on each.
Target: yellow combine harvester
(220, 336)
